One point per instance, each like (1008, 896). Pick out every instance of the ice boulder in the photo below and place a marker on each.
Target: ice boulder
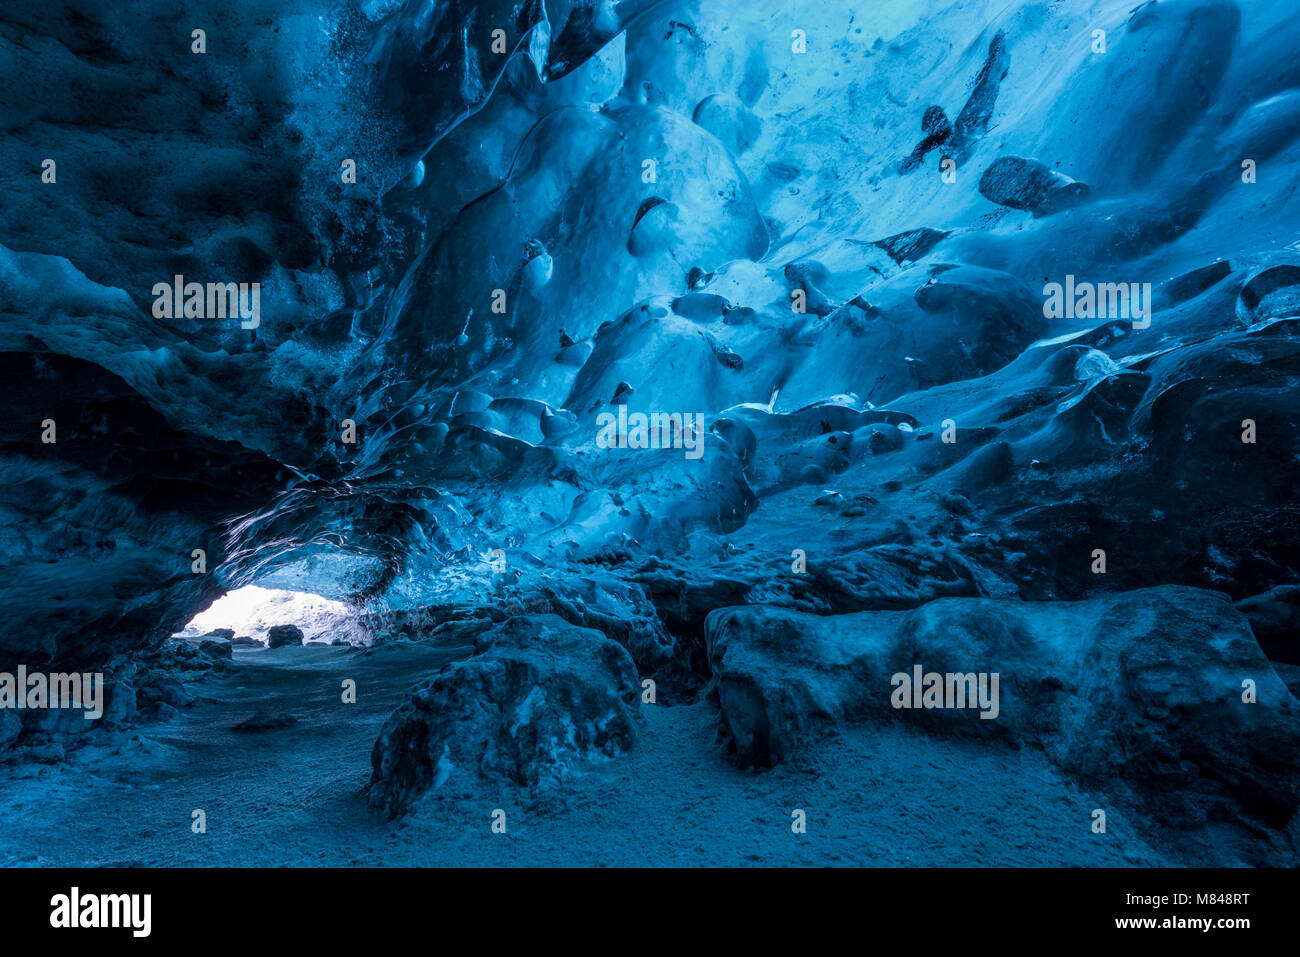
(1164, 689)
(539, 696)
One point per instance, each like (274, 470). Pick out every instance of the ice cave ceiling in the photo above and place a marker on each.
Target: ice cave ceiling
(825, 228)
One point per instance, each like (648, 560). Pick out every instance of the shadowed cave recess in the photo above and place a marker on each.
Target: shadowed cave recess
(634, 391)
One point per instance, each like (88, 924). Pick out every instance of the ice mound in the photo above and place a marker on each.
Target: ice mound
(538, 696)
(1105, 687)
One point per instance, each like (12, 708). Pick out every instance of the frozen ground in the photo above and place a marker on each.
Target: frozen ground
(293, 796)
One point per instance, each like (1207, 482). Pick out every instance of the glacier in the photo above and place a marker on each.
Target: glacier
(629, 390)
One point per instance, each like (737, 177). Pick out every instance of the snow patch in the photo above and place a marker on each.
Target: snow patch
(253, 611)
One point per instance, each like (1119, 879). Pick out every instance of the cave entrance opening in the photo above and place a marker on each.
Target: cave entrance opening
(252, 611)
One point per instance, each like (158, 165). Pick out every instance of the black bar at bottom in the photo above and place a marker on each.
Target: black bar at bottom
(330, 907)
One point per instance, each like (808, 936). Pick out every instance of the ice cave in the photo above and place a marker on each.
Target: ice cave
(492, 432)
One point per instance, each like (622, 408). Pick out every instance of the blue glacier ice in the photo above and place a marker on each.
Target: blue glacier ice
(647, 383)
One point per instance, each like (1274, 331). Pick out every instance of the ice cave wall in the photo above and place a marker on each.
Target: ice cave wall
(621, 209)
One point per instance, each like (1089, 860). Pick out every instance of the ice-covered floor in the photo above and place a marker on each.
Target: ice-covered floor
(293, 796)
